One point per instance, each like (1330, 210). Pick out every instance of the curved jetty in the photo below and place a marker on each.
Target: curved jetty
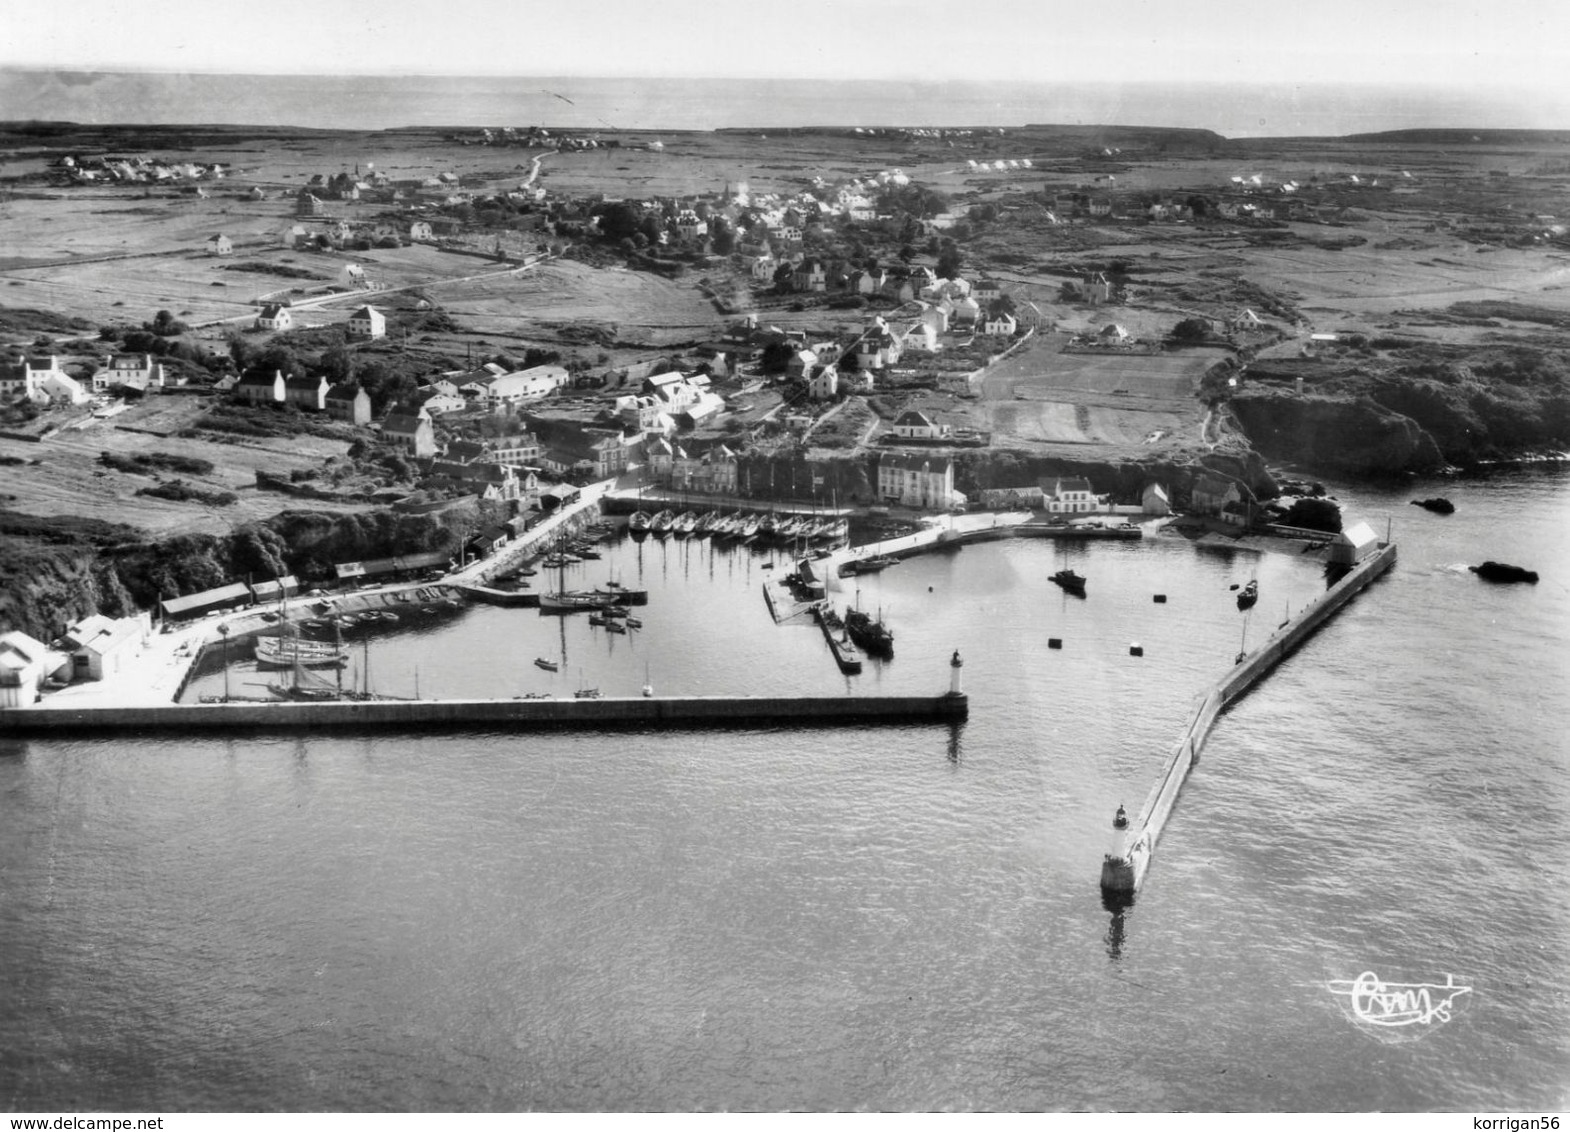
(1123, 867)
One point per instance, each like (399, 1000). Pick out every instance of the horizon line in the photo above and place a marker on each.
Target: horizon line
(920, 80)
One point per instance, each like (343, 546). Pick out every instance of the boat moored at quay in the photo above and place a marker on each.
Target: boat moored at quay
(293, 651)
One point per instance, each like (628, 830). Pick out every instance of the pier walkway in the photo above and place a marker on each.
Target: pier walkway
(1123, 868)
(953, 530)
(516, 714)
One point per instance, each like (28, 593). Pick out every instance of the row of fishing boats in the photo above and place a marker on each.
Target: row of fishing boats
(741, 526)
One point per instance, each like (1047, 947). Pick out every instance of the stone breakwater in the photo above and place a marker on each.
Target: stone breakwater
(1123, 868)
(518, 714)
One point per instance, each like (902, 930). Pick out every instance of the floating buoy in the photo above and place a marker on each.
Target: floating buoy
(1160, 599)
(1054, 643)
(1135, 649)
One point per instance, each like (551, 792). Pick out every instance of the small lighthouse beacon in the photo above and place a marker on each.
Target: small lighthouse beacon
(956, 665)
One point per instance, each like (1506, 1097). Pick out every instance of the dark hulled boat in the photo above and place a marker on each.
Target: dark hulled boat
(870, 634)
(1070, 582)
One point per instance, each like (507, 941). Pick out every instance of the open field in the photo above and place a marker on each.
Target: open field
(1042, 396)
(68, 479)
(640, 307)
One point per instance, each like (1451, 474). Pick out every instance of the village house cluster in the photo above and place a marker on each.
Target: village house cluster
(139, 170)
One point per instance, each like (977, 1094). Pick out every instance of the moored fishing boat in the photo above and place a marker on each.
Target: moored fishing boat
(287, 652)
(1070, 581)
(661, 524)
(871, 634)
(868, 565)
(573, 601)
(548, 665)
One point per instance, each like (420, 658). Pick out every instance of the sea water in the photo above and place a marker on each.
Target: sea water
(848, 917)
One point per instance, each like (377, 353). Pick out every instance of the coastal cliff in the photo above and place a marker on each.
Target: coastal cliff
(60, 570)
(1415, 412)
(1348, 434)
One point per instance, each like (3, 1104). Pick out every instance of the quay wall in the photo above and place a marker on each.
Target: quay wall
(1123, 869)
(520, 714)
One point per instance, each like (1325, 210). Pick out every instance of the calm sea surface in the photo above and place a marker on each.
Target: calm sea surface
(884, 918)
(375, 102)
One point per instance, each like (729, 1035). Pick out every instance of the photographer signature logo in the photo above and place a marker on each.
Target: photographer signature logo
(1405, 1009)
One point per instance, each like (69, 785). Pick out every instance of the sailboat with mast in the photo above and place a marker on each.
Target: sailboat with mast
(290, 650)
(563, 600)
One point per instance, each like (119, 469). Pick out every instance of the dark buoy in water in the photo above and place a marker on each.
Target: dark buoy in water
(1054, 642)
(1120, 819)
(1136, 649)
(929, 589)
(1160, 599)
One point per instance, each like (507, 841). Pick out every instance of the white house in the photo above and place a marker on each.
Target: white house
(1070, 497)
(823, 382)
(62, 389)
(368, 322)
(308, 393)
(136, 371)
(918, 481)
(219, 245)
(1212, 494)
(1000, 322)
(26, 376)
(1353, 544)
(420, 231)
(258, 389)
(522, 451)
(913, 424)
(410, 432)
(102, 647)
(661, 456)
(1154, 500)
(24, 666)
(967, 312)
(274, 316)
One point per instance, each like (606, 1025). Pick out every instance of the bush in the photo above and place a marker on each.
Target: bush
(181, 492)
(1314, 515)
(145, 463)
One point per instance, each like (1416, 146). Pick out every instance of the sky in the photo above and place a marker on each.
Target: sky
(1508, 44)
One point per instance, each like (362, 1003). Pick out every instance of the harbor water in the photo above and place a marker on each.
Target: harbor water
(848, 917)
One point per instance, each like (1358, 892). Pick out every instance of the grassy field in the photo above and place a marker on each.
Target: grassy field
(67, 478)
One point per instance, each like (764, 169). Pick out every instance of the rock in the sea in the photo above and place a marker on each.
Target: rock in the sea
(1503, 572)
(1438, 505)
